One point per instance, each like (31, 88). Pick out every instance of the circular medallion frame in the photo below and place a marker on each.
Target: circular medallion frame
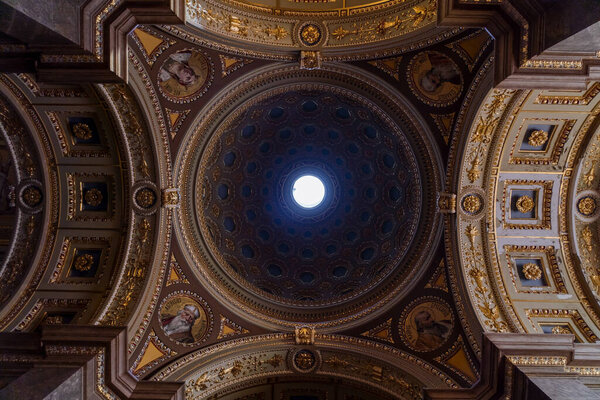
(587, 205)
(145, 197)
(435, 79)
(426, 324)
(310, 34)
(171, 307)
(185, 75)
(304, 360)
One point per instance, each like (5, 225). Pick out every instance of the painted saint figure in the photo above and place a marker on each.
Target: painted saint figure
(176, 67)
(434, 78)
(442, 70)
(179, 327)
(431, 334)
(183, 74)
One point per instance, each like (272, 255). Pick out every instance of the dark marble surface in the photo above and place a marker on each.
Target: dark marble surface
(61, 16)
(38, 383)
(71, 389)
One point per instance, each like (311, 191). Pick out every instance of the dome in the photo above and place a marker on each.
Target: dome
(363, 235)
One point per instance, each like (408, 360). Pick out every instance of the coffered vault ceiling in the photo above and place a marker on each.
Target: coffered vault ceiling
(163, 204)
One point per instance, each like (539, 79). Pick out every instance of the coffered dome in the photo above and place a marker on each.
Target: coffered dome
(366, 236)
(334, 251)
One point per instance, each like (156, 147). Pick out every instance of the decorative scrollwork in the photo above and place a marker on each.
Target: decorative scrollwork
(483, 294)
(401, 22)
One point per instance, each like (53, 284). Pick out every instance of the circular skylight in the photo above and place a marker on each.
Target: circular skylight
(308, 191)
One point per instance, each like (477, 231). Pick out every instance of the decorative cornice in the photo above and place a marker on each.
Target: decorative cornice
(516, 26)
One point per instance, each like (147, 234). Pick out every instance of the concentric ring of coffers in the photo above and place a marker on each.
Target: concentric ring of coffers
(348, 257)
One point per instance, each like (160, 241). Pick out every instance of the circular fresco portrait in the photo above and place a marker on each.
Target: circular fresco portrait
(184, 75)
(426, 325)
(184, 319)
(434, 78)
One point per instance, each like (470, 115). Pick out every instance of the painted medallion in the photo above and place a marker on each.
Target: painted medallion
(435, 79)
(184, 75)
(183, 319)
(427, 325)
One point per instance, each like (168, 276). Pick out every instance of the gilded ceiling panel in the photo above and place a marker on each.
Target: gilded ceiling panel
(527, 212)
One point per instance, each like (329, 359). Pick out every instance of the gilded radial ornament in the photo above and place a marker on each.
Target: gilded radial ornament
(145, 197)
(538, 138)
(532, 271)
(304, 360)
(561, 330)
(170, 198)
(310, 34)
(32, 196)
(586, 205)
(82, 131)
(525, 204)
(84, 262)
(93, 197)
(472, 204)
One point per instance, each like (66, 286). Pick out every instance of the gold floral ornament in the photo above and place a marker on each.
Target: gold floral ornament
(82, 131)
(93, 197)
(145, 198)
(589, 176)
(305, 335)
(525, 204)
(223, 20)
(53, 320)
(405, 22)
(278, 32)
(447, 203)
(474, 172)
(532, 271)
(84, 262)
(304, 360)
(586, 205)
(561, 330)
(588, 238)
(310, 60)
(538, 138)
(32, 196)
(472, 204)
(310, 34)
(170, 197)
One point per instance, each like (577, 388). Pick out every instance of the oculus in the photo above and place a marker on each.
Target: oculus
(308, 191)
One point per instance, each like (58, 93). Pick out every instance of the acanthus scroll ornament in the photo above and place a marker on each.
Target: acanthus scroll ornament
(401, 22)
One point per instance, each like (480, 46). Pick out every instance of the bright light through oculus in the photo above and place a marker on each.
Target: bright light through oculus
(308, 191)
